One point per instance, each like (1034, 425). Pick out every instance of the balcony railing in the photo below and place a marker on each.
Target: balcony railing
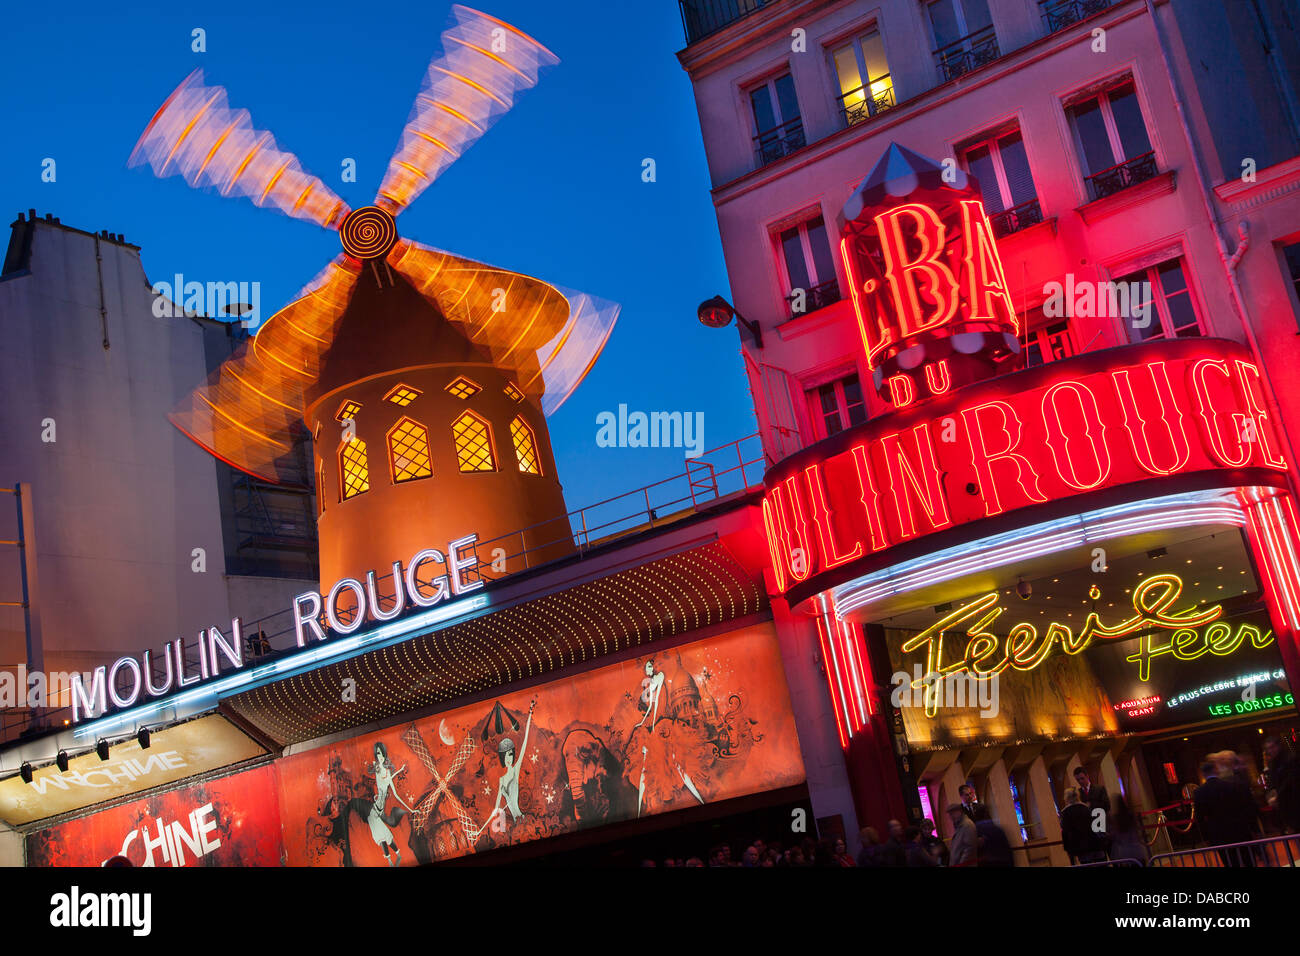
(1122, 175)
(867, 100)
(1059, 14)
(818, 297)
(700, 18)
(1016, 218)
(969, 53)
(779, 141)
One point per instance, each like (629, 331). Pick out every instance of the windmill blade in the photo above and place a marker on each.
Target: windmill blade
(485, 64)
(246, 412)
(195, 134)
(547, 338)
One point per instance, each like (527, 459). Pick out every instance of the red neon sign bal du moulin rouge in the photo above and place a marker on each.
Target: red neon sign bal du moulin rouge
(927, 284)
(1093, 422)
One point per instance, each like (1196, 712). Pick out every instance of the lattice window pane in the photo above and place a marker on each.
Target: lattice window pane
(402, 395)
(473, 443)
(408, 446)
(348, 410)
(525, 447)
(513, 393)
(354, 467)
(463, 388)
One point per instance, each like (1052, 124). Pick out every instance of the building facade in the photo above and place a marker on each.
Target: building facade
(1137, 162)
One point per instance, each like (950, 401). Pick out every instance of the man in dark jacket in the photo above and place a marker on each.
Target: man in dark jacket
(1225, 809)
(1283, 782)
(1077, 835)
(1094, 797)
(917, 855)
(994, 848)
(892, 851)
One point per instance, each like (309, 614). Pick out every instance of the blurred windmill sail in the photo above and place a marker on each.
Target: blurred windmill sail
(546, 337)
(485, 64)
(247, 411)
(196, 135)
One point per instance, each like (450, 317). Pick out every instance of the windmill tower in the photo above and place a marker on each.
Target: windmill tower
(424, 378)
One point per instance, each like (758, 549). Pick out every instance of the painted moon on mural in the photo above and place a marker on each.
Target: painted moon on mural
(445, 737)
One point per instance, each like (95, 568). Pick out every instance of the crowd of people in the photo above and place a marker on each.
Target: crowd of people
(1094, 826)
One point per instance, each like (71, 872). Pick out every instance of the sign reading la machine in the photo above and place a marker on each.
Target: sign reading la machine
(130, 680)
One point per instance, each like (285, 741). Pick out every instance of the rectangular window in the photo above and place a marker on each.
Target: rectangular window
(863, 78)
(778, 127)
(809, 267)
(1047, 343)
(1156, 303)
(1002, 168)
(964, 38)
(1291, 256)
(837, 405)
(1111, 138)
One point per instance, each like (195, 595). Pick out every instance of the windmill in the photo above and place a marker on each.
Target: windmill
(441, 792)
(425, 378)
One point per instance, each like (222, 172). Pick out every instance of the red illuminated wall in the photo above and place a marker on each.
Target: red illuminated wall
(234, 821)
(1098, 421)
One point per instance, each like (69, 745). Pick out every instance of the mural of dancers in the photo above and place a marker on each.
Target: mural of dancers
(627, 740)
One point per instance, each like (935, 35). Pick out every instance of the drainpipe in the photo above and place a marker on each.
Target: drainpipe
(1229, 262)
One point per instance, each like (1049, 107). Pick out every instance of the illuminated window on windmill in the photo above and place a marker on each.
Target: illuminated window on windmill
(402, 395)
(354, 468)
(513, 393)
(473, 443)
(463, 388)
(525, 447)
(347, 411)
(320, 489)
(408, 449)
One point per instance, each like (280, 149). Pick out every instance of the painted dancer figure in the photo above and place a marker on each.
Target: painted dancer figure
(651, 687)
(377, 819)
(508, 785)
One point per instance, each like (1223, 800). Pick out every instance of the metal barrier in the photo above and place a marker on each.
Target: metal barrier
(1268, 852)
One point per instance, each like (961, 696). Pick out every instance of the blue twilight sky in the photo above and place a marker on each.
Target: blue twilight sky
(554, 189)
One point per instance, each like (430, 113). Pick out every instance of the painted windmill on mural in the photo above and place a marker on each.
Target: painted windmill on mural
(425, 378)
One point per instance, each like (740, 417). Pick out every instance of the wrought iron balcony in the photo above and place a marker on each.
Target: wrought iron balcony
(818, 297)
(779, 141)
(700, 18)
(969, 53)
(1059, 14)
(867, 100)
(1016, 218)
(1122, 175)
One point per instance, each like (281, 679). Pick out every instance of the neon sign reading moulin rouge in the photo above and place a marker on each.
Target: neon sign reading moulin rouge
(1184, 635)
(1079, 425)
(307, 611)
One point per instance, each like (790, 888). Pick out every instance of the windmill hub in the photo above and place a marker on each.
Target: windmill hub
(368, 233)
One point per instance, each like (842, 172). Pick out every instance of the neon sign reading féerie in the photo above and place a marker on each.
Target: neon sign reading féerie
(1089, 423)
(214, 648)
(1024, 648)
